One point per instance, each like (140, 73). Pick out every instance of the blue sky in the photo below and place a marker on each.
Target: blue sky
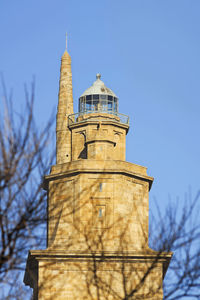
(147, 52)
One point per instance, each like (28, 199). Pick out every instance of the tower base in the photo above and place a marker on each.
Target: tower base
(61, 275)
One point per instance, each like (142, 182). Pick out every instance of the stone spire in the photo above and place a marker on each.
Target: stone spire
(65, 108)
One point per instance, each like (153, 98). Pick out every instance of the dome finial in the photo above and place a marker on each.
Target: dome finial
(98, 76)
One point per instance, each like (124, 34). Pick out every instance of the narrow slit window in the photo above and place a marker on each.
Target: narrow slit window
(100, 187)
(100, 213)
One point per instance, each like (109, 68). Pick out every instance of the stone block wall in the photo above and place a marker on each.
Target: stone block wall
(86, 279)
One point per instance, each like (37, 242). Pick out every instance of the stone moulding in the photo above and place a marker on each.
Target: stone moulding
(94, 166)
(146, 257)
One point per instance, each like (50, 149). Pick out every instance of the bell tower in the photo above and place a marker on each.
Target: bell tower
(98, 207)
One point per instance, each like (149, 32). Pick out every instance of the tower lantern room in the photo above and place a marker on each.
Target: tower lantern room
(98, 98)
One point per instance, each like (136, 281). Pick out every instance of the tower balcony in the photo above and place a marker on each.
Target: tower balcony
(98, 115)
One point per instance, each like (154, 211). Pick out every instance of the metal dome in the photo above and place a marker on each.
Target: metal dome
(98, 88)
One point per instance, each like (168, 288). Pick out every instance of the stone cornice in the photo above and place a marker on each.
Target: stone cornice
(98, 166)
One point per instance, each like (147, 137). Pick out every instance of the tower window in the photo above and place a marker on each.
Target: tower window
(115, 105)
(99, 216)
(95, 104)
(101, 187)
(100, 213)
(88, 105)
(103, 105)
(110, 104)
(96, 97)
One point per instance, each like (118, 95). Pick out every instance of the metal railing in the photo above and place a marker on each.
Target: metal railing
(95, 115)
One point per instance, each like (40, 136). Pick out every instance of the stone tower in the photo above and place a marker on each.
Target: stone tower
(97, 231)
